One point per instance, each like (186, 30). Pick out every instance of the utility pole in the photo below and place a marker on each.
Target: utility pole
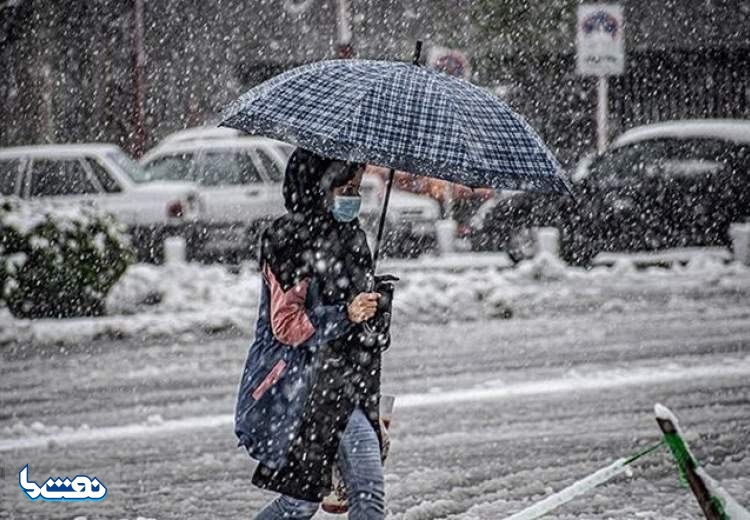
(139, 131)
(344, 48)
(48, 118)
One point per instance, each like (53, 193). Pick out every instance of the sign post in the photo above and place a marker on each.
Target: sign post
(452, 62)
(600, 51)
(344, 49)
(602, 113)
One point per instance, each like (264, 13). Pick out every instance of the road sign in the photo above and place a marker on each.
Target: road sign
(600, 42)
(450, 61)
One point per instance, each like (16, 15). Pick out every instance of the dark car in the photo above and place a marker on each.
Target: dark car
(660, 186)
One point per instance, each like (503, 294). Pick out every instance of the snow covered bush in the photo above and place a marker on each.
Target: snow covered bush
(58, 261)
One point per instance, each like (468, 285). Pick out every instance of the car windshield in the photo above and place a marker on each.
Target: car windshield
(228, 167)
(665, 158)
(178, 167)
(128, 165)
(220, 167)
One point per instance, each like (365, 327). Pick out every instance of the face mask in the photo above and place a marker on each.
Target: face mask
(345, 209)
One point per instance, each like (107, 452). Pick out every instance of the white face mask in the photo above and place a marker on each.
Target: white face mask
(346, 207)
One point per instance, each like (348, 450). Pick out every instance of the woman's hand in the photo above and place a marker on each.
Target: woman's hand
(363, 307)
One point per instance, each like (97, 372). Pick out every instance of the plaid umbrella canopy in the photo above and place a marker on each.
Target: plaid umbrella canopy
(400, 116)
(403, 117)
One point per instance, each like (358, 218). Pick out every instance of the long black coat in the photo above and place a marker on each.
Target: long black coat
(309, 366)
(345, 371)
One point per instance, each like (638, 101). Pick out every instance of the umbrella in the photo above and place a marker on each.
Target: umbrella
(403, 117)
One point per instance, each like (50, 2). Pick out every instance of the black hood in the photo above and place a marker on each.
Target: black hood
(303, 187)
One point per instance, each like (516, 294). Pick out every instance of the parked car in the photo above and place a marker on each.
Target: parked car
(674, 184)
(474, 228)
(410, 228)
(104, 176)
(211, 133)
(240, 181)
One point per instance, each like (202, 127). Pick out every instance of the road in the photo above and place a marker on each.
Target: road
(490, 416)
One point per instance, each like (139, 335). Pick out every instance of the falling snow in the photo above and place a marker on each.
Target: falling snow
(532, 333)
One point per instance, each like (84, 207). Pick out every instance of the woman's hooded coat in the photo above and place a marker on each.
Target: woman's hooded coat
(309, 366)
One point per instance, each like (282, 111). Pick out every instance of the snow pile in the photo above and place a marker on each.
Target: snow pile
(76, 331)
(182, 287)
(544, 267)
(544, 285)
(424, 295)
(182, 298)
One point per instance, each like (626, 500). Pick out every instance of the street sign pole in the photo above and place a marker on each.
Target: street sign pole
(602, 114)
(344, 47)
(139, 129)
(452, 62)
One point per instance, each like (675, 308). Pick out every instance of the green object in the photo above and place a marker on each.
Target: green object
(679, 451)
(645, 452)
(712, 505)
(687, 463)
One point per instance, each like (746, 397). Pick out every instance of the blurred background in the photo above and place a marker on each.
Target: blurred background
(131, 72)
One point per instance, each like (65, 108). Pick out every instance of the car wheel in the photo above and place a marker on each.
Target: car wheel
(521, 244)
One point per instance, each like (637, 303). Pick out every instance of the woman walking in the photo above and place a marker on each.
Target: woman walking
(309, 394)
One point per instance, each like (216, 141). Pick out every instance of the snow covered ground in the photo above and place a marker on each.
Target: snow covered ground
(511, 385)
(182, 300)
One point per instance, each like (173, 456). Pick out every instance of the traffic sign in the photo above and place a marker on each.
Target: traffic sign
(600, 42)
(450, 61)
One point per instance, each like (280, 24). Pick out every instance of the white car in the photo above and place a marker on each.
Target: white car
(240, 179)
(240, 183)
(104, 176)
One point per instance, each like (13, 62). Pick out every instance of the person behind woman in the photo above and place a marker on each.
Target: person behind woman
(309, 394)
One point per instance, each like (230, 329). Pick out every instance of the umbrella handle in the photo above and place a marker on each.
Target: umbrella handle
(389, 183)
